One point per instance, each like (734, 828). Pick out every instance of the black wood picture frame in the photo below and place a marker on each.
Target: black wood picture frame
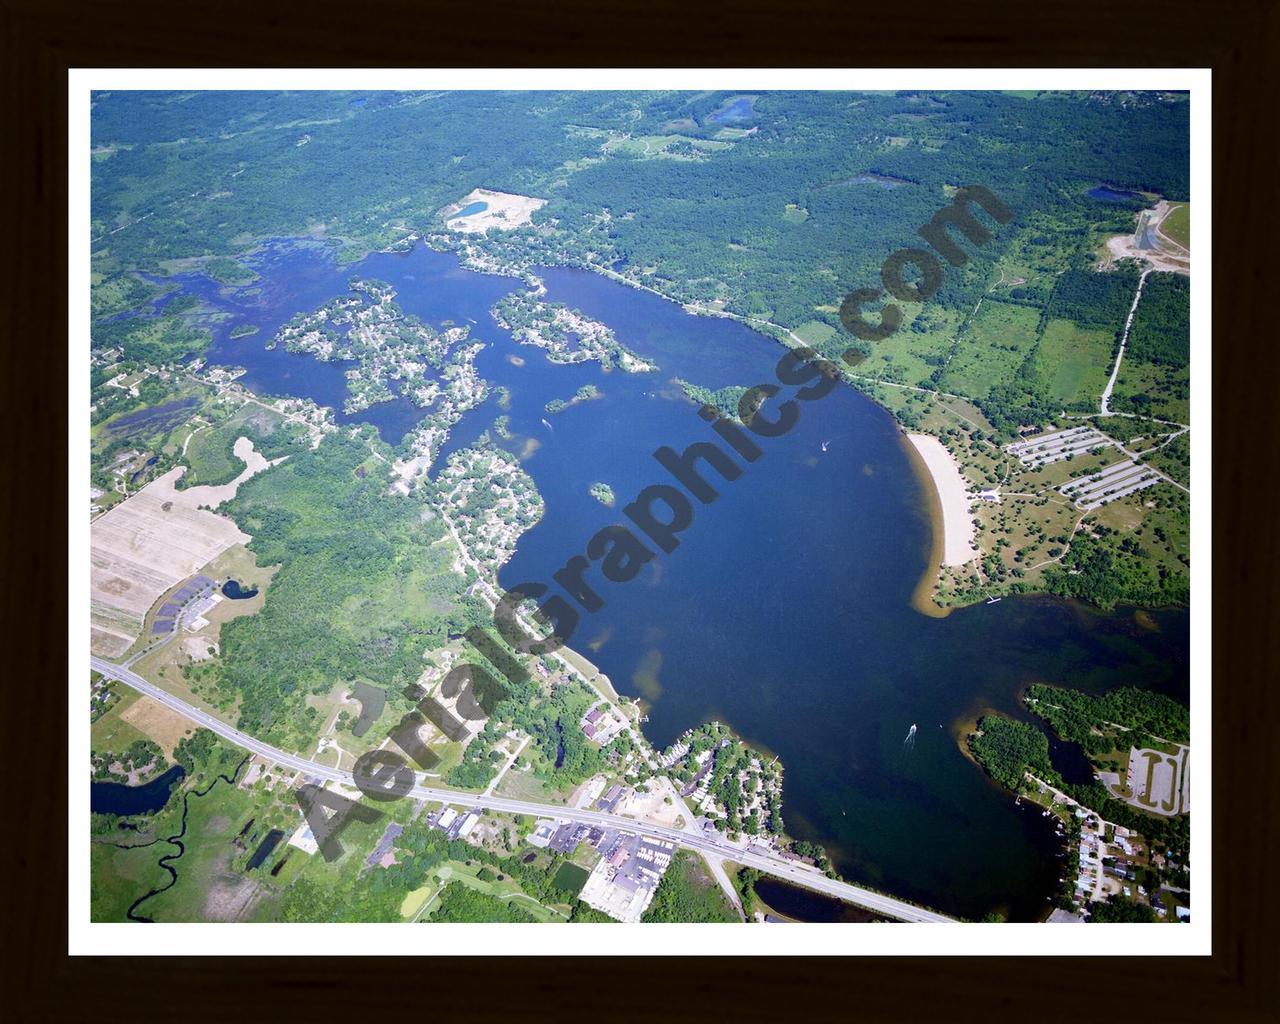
(41, 40)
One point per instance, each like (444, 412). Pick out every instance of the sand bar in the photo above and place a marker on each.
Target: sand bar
(957, 521)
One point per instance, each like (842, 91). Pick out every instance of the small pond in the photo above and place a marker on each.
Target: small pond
(117, 798)
(238, 591)
(1112, 195)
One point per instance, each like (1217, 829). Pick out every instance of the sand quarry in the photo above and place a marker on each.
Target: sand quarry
(503, 211)
(152, 541)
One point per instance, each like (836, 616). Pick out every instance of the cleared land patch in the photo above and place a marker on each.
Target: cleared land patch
(148, 543)
(157, 722)
(1177, 225)
(1074, 362)
(992, 349)
(500, 210)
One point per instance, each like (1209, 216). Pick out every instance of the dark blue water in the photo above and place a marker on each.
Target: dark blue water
(1111, 195)
(785, 611)
(236, 592)
(805, 905)
(739, 110)
(264, 849)
(472, 208)
(117, 798)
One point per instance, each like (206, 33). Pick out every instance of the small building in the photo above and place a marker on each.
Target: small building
(304, 839)
(543, 830)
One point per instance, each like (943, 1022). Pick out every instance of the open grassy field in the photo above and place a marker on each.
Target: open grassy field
(1160, 391)
(1074, 362)
(208, 887)
(1177, 225)
(815, 332)
(113, 732)
(210, 453)
(992, 349)
(120, 876)
(571, 878)
(507, 890)
(910, 356)
(671, 147)
(157, 722)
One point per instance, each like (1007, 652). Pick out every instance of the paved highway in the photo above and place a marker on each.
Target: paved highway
(713, 844)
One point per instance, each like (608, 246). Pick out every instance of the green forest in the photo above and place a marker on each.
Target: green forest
(1161, 331)
(1007, 749)
(214, 173)
(1076, 716)
(687, 894)
(363, 590)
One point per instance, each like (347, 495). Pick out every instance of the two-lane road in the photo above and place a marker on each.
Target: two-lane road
(712, 843)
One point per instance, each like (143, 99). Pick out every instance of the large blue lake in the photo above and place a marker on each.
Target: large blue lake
(785, 611)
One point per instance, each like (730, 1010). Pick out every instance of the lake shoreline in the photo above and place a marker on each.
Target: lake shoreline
(953, 497)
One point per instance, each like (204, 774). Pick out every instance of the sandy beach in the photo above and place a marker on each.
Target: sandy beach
(957, 522)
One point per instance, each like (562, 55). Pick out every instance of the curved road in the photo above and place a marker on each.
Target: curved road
(711, 845)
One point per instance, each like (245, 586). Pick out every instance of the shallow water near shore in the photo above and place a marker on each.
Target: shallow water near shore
(786, 611)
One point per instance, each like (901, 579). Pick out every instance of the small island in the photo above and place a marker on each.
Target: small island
(243, 331)
(603, 493)
(583, 394)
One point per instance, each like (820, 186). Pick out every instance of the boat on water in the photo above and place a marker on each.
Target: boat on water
(826, 445)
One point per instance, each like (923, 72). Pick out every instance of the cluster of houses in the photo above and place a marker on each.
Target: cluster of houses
(453, 824)
(1108, 866)
(491, 500)
(601, 724)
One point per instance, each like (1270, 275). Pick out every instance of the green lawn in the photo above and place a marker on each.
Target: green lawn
(1074, 362)
(1177, 225)
(111, 733)
(571, 878)
(120, 876)
(992, 349)
(815, 332)
(504, 892)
